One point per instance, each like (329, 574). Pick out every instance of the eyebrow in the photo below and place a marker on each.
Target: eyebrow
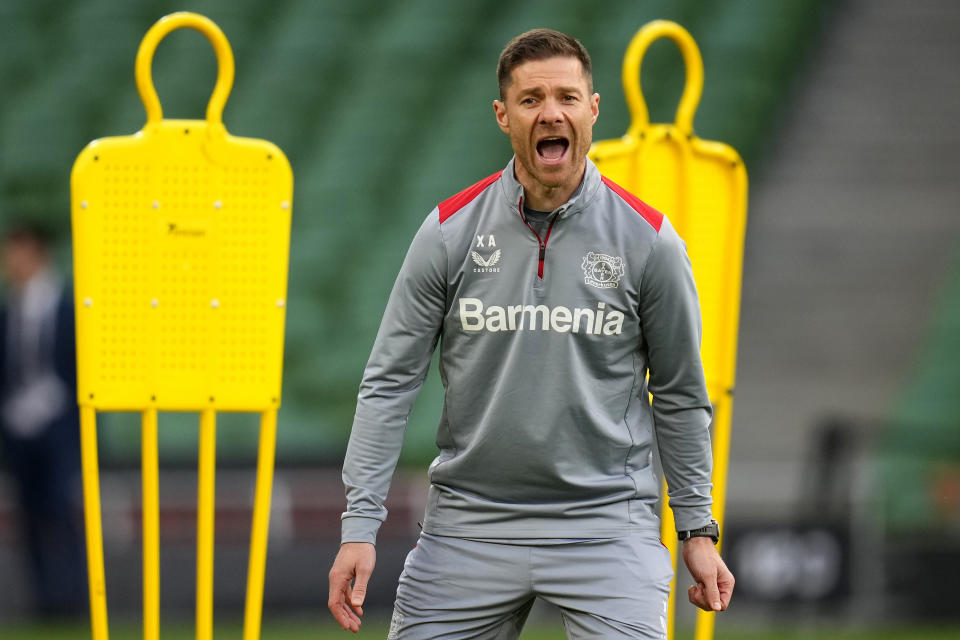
(539, 90)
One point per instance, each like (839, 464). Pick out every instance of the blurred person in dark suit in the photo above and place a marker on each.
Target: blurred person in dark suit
(39, 419)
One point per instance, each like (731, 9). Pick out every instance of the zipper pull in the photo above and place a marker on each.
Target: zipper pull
(543, 251)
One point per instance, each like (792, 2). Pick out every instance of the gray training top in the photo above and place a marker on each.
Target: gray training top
(546, 340)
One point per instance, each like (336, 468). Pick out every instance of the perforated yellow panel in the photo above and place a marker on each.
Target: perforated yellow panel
(181, 241)
(181, 237)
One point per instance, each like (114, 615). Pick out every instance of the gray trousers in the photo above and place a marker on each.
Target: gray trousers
(455, 588)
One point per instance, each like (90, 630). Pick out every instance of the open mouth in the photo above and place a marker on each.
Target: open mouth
(552, 149)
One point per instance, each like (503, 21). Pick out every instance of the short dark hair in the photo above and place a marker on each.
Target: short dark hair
(539, 44)
(29, 231)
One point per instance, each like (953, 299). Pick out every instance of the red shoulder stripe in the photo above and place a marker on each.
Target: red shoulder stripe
(648, 213)
(454, 203)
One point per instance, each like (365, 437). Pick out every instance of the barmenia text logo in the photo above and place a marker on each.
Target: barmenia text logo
(527, 317)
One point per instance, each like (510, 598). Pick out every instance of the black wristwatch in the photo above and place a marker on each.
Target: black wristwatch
(711, 531)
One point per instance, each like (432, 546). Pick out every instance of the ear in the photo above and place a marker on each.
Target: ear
(503, 120)
(595, 106)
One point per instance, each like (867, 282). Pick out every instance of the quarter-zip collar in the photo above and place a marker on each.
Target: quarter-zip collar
(513, 191)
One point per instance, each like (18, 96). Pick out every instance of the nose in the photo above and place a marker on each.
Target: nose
(551, 113)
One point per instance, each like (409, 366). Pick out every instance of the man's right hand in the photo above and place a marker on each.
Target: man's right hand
(354, 564)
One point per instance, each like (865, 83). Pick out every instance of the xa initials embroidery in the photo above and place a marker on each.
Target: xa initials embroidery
(491, 242)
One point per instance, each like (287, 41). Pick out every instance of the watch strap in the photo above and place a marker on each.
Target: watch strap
(711, 531)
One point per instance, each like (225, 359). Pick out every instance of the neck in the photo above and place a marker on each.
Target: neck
(542, 197)
(546, 198)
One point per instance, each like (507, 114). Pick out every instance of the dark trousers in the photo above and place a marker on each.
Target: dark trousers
(46, 470)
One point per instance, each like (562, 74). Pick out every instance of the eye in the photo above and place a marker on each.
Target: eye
(528, 101)
(570, 98)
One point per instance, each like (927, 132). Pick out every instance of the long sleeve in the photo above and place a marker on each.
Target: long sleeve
(392, 379)
(670, 317)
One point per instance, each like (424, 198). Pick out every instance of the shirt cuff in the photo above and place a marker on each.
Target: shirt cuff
(359, 529)
(688, 518)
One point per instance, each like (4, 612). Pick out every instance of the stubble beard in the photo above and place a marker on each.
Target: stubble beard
(550, 181)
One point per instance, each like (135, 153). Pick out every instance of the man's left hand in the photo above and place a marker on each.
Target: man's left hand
(714, 582)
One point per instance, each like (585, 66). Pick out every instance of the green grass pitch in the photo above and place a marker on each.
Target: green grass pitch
(320, 630)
